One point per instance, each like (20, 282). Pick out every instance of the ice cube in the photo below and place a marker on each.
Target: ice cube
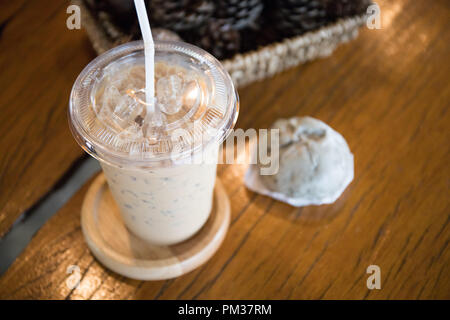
(136, 78)
(169, 95)
(109, 99)
(126, 110)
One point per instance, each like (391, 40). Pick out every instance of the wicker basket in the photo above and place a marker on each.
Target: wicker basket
(250, 66)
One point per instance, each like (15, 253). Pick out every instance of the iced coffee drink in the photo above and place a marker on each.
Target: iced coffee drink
(159, 162)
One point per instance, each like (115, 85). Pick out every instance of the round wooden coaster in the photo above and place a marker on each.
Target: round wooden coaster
(123, 252)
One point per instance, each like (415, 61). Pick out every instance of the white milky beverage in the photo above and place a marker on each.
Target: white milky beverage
(163, 205)
(160, 163)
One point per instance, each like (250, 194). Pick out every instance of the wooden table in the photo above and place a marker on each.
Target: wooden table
(387, 92)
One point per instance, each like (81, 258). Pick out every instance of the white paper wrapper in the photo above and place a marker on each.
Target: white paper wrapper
(254, 182)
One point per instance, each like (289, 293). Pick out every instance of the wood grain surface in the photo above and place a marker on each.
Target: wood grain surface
(39, 61)
(388, 93)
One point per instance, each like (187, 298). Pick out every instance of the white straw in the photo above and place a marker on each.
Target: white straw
(149, 51)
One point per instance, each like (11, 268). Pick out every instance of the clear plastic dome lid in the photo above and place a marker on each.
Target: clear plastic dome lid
(196, 105)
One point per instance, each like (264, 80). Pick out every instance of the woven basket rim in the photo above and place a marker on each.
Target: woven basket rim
(242, 65)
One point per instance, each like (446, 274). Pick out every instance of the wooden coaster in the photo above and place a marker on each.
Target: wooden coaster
(123, 252)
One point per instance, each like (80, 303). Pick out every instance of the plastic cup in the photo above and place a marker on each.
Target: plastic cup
(160, 167)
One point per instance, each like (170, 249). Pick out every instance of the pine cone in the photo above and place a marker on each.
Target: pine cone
(165, 35)
(295, 17)
(258, 33)
(238, 13)
(222, 34)
(219, 39)
(121, 12)
(344, 8)
(179, 15)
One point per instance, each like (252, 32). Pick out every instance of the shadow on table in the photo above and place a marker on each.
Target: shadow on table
(310, 215)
